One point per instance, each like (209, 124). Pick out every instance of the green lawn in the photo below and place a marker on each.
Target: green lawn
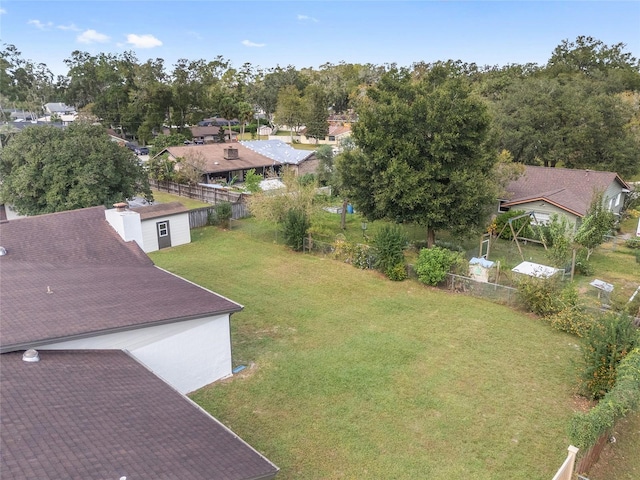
(163, 197)
(353, 376)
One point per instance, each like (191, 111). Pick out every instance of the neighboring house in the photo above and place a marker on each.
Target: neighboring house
(209, 133)
(336, 133)
(60, 113)
(110, 328)
(18, 115)
(57, 108)
(152, 227)
(222, 161)
(302, 161)
(545, 191)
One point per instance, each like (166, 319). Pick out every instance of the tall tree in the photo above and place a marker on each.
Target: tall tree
(290, 110)
(316, 113)
(597, 223)
(46, 169)
(423, 154)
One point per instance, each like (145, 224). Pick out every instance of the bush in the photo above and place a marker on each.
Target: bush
(586, 428)
(633, 242)
(573, 320)
(357, 254)
(545, 296)
(397, 273)
(389, 243)
(296, 225)
(503, 219)
(608, 342)
(583, 266)
(434, 263)
(224, 213)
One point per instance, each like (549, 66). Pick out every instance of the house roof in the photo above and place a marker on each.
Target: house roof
(337, 130)
(213, 157)
(69, 274)
(159, 210)
(101, 414)
(279, 151)
(58, 107)
(568, 189)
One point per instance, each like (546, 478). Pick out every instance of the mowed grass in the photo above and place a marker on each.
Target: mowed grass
(164, 197)
(352, 376)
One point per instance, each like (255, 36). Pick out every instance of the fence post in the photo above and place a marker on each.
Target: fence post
(566, 470)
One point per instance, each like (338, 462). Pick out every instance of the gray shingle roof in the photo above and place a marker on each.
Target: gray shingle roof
(278, 150)
(569, 189)
(102, 415)
(97, 282)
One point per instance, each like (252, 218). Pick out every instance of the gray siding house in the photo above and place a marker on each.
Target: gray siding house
(545, 191)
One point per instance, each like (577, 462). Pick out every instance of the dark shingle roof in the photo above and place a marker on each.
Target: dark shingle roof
(102, 415)
(569, 189)
(69, 274)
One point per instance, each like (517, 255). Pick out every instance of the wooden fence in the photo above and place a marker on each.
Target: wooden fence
(200, 217)
(591, 456)
(198, 192)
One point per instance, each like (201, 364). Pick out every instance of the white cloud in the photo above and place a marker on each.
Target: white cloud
(143, 41)
(70, 27)
(91, 36)
(2, 11)
(307, 18)
(38, 24)
(248, 43)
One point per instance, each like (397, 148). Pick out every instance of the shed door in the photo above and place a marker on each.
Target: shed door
(164, 238)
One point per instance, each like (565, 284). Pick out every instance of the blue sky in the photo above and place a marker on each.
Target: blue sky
(311, 33)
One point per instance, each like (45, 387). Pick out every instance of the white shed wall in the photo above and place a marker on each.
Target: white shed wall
(179, 231)
(127, 224)
(188, 355)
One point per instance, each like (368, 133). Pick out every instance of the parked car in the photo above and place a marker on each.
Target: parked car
(141, 151)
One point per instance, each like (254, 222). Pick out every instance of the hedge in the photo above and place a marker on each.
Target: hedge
(586, 428)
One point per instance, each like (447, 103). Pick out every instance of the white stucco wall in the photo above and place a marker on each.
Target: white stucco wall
(187, 355)
(178, 230)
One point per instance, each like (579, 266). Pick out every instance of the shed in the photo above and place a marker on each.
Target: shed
(152, 227)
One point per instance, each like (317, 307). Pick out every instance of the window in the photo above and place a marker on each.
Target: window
(618, 199)
(163, 229)
(541, 218)
(611, 204)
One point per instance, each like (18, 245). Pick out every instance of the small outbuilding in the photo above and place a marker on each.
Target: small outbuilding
(479, 269)
(152, 227)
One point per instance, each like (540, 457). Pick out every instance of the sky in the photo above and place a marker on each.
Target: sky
(311, 33)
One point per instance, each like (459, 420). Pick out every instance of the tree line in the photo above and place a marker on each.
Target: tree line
(580, 110)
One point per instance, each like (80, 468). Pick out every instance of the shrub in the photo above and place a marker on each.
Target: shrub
(573, 320)
(503, 219)
(583, 266)
(586, 428)
(357, 254)
(434, 263)
(454, 247)
(389, 243)
(633, 242)
(252, 181)
(638, 256)
(397, 273)
(223, 214)
(545, 296)
(296, 225)
(608, 342)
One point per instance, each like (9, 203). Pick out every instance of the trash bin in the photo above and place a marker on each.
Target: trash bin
(349, 208)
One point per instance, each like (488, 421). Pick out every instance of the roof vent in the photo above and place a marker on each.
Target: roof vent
(121, 207)
(3, 251)
(231, 153)
(31, 356)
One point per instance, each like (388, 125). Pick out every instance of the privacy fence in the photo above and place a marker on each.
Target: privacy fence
(204, 194)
